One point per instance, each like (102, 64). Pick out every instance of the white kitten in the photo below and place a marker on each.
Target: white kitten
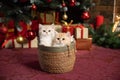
(46, 34)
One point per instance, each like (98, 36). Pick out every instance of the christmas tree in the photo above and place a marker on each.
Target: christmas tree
(21, 9)
(18, 18)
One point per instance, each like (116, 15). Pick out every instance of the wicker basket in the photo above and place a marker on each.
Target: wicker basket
(57, 59)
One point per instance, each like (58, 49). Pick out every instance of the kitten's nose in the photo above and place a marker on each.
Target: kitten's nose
(60, 41)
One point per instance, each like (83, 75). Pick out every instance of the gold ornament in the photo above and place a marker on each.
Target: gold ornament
(20, 40)
(65, 17)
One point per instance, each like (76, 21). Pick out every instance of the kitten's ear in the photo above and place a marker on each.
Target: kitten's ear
(40, 25)
(53, 26)
(68, 34)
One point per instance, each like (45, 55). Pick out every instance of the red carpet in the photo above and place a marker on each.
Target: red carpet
(98, 64)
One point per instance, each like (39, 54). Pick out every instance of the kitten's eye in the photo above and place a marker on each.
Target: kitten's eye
(49, 30)
(43, 30)
(58, 38)
(63, 38)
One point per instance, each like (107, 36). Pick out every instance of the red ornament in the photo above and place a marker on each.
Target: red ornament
(34, 7)
(72, 2)
(30, 35)
(63, 4)
(85, 15)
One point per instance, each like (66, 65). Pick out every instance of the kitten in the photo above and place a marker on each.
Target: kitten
(62, 39)
(46, 34)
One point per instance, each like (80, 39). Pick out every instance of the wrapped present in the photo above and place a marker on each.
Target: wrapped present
(68, 27)
(11, 29)
(84, 44)
(49, 17)
(81, 32)
(12, 43)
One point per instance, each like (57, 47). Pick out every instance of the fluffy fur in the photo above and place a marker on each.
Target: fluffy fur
(62, 39)
(46, 34)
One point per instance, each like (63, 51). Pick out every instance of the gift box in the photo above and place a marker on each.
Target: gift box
(12, 43)
(49, 17)
(84, 44)
(11, 29)
(81, 32)
(68, 29)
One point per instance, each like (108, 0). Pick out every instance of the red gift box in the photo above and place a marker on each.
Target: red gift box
(68, 29)
(78, 30)
(11, 30)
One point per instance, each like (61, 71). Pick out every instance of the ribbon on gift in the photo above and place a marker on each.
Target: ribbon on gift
(67, 27)
(11, 35)
(80, 27)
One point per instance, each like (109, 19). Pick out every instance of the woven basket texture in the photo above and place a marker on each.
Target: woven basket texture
(57, 59)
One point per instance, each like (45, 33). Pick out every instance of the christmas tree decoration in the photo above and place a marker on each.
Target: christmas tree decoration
(30, 35)
(72, 2)
(85, 15)
(65, 9)
(20, 40)
(19, 28)
(34, 7)
(63, 3)
(77, 3)
(65, 17)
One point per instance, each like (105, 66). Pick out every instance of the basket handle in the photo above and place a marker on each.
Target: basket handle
(68, 46)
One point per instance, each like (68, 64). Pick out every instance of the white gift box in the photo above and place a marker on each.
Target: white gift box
(14, 44)
(81, 33)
